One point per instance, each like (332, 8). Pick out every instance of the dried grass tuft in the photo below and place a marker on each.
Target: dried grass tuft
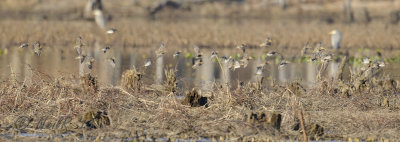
(132, 80)
(170, 83)
(89, 83)
(94, 120)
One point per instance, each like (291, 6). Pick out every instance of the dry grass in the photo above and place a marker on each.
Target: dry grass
(119, 113)
(132, 80)
(365, 106)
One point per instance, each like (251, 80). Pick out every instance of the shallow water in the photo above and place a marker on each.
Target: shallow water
(57, 63)
(59, 60)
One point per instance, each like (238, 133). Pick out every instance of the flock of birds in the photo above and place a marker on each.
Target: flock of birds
(231, 63)
(317, 53)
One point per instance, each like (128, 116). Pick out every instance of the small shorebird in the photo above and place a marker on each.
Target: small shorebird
(197, 63)
(327, 58)
(245, 60)
(147, 62)
(336, 38)
(161, 51)
(266, 43)
(111, 31)
(24, 45)
(381, 64)
(283, 63)
(305, 49)
(197, 52)
(260, 69)
(312, 59)
(78, 45)
(37, 48)
(176, 54)
(90, 63)
(225, 59)
(272, 53)
(236, 64)
(366, 61)
(242, 47)
(214, 54)
(105, 49)
(81, 58)
(198, 60)
(112, 61)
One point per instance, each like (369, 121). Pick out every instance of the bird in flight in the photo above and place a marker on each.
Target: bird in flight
(24, 45)
(105, 49)
(266, 43)
(37, 48)
(111, 31)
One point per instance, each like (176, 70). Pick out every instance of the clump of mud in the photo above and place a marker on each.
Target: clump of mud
(194, 99)
(265, 118)
(313, 130)
(94, 120)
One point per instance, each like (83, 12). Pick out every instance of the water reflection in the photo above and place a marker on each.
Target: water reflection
(56, 62)
(159, 69)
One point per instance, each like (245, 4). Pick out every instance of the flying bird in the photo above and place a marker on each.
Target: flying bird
(112, 61)
(283, 63)
(37, 48)
(176, 54)
(24, 45)
(225, 59)
(266, 43)
(236, 64)
(259, 70)
(272, 53)
(214, 54)
(147, 62)
(242, 47)
(78, 45)
(161, 51)
(81, 58)
(327, 58)
(90, 63)
(197, 63)
(111, 31)
(245, 60)
(366, 61)
(105, 49)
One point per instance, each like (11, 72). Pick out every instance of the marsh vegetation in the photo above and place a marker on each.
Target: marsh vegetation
(199, 70)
